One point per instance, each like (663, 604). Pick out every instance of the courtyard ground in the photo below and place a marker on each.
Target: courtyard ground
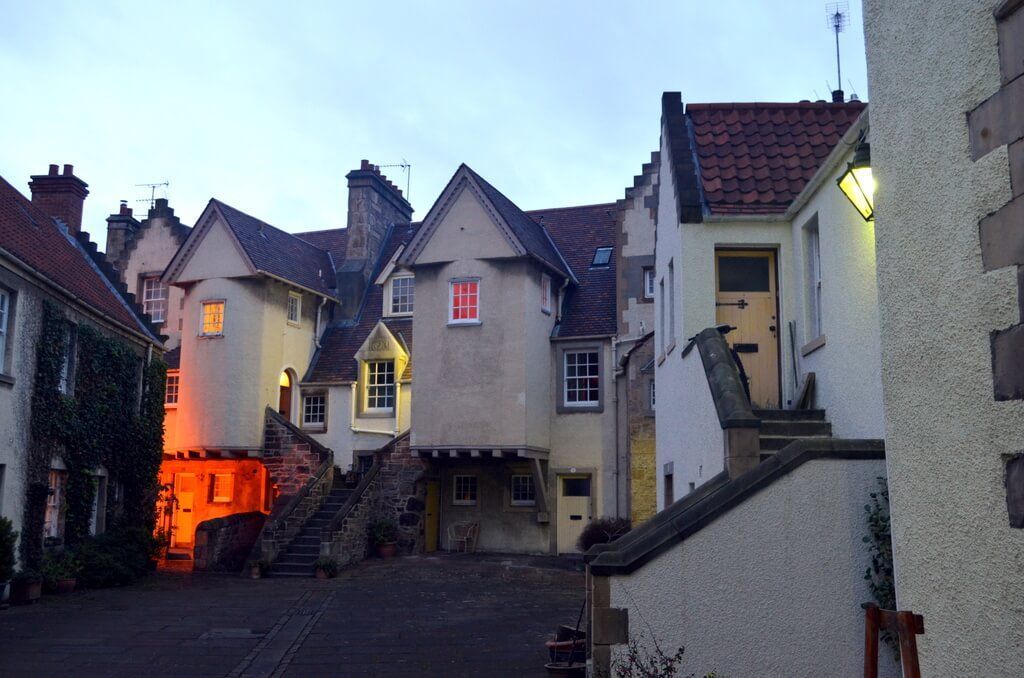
(452, 615)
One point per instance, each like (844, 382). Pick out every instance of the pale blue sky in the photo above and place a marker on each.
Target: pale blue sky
(267, 105)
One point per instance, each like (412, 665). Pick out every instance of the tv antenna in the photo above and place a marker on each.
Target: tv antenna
(152, 192)
(838, 16)
(405, 167)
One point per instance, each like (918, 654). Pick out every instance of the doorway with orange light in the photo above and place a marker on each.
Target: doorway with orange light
(183, 525)
(284, 399)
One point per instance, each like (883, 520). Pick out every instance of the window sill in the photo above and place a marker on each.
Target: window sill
(661, 359)
(170, 406)
(812, 346)
(6, 380)
(464, 323)
(314, 430)
(376, 414)
(210, 336)
(294, 324)
(580, 409)
(671, 347)
(546, 311)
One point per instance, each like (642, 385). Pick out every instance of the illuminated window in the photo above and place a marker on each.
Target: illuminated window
(171, 392)
(314, 410)
(648, 283)
(464, 302)
(294, 307)
(582, 378)
(602, 256)
(213, 318)
(154, 298)
(403, 295)
(380, 385)
(545, 293)
(464, 491)
(5, 314)
(223, 487)
(523, 491)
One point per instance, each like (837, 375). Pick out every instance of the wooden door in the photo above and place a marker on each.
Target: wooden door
(574, 511)
(185, 494)
(432, 523)
(747, 298)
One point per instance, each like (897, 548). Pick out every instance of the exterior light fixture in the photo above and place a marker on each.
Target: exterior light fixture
(857, 183)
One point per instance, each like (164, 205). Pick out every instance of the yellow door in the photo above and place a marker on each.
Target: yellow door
(746, 298)
(433, 518)
(185, 494)
(573, 511)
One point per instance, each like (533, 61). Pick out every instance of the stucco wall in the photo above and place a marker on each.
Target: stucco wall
(771, 588)
(957, 561)
(151, 251)
(339, 435)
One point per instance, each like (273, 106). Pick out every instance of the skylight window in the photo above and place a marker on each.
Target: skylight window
(602, 256)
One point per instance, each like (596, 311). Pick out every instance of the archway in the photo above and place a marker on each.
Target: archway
(284, 401)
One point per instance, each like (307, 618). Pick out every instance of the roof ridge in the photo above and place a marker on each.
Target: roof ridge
(279, 230)
(774, 104)
(570, 207)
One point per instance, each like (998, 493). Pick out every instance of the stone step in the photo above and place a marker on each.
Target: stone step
(307, 540)
(291, 574)
(790, 415)
(293, 569)
(303, 549)
(796, 428)
(316, 522)
(775, 443)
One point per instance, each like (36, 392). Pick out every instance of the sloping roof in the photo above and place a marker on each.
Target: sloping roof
(577, 232)
(755, 158)
(332, 241)
(36, 240)
(278, 253)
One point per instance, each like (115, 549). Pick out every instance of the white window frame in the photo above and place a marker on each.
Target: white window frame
(223, 498)
(648, 283)
(452, 320)
(606, 248)
(368, 371)
(202, 317)
(389, 298)
(168, 401)
(321, 407)
(455, 490)
(5, 315)
(814, 282)
(512, 490)
(566, 377)
(155, 297)
(296, 317)
(545, 293)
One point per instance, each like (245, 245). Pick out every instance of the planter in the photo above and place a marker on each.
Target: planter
(66, 586)
(320, 574)
(5, 590)
(255, 572)
(387, 549)
(25, 592)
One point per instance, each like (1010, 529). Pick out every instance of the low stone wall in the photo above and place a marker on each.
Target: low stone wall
(291, 457)
(287, 519)
(223, 544)
(403, 493)
(349, 543)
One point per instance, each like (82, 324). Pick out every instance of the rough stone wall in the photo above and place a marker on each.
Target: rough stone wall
(642, 463)
(223, 544)
(281, 529)
(403, 493)
(291, 457)
(350, 543)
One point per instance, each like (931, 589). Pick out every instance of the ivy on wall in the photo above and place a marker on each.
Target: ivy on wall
(103, 420)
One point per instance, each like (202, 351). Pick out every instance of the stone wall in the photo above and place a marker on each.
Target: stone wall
(289, 515)
(403, 493)
(643, 474)
(290, 457)
(223, 544)
(350, 541)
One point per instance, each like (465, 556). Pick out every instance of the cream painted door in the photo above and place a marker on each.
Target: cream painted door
(574, 511)
(185, 494)
(746, 298)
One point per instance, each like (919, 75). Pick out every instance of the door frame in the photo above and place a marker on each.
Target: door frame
(177, 506)
(572, 472)
(780, 336)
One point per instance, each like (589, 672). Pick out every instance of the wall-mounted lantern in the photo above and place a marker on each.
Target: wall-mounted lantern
(857, 183)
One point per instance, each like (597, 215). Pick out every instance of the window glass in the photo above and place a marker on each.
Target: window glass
(53, 525)
(582, 378)
(575, 487)
(403, 295)
(314, 410)
(651, 389)
(154, 298)
(522, 491)
(814, 281)
(545, 293)
(67, 366)
(464, 306)
(464, 490)
(213, 317)
(5, 305)
(380, 385)
(171, 393)
(223, 486)
(294, 307)
(648, 283)
(743, 274)
(602, 256)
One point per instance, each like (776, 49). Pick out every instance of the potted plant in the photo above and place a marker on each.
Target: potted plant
(385, 537)
(26, 587)
(257, 568)
(60, 573)
(8, 537)
(326, 567)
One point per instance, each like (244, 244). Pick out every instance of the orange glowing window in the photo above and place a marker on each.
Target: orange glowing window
(223, 487)
(213, 317)
(464, 301)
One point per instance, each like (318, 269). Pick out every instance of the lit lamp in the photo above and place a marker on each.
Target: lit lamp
(857, 184)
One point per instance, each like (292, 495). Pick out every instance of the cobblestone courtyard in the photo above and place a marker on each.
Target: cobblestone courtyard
(422, 616)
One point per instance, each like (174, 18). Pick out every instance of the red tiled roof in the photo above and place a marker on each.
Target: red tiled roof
(755, 158)
(36, 240)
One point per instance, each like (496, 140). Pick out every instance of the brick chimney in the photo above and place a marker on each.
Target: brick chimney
(60, 195)
(121, 230)
(374, 205)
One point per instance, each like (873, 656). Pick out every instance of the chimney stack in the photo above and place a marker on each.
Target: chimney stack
(121, 229)
(60, 196)
(838, 96)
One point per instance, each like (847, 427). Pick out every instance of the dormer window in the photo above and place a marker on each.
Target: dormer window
(602, 256)
(401, 295)
(464, 301)
(380, 386)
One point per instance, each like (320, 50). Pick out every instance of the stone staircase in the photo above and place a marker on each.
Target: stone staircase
(297, 559)
(782, 427)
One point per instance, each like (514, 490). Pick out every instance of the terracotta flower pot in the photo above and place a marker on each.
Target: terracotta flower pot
(254, 572)
(25, 592)
(320, 574)
(387, 550)
(66, 585)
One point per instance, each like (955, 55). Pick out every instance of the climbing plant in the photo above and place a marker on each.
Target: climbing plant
(104, 419)
(879, 574)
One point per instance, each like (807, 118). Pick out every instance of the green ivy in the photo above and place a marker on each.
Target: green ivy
(104, 421)
(879, 575)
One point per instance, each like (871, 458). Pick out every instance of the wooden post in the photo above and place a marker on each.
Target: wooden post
(905, 624)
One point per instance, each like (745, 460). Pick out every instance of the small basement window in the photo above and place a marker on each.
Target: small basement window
(602, 256)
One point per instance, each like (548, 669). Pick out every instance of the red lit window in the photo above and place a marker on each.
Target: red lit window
(464, 301)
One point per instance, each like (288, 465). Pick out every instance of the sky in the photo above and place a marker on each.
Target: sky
(267, 105)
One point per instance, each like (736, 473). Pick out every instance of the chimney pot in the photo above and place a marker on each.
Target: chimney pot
(364, 164)
(837, 96)
(53, 170)
(69, 170)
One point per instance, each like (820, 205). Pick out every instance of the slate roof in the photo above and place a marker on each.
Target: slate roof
(755, 158)
(278, 253)
(35, 239)
(332, 241)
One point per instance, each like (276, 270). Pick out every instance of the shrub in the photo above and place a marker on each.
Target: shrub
(602, 531)
(115, 558)
(383, 531)
(57, 566)
(8, 537)
(328, 565)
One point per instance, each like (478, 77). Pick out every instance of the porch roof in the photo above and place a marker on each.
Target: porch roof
(213, 453)
(478, 452)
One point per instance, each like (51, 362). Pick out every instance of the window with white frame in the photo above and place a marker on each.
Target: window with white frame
(5, 316)
(545, 293)
(212, 320)
(813, 266)
(294, 308)
(464, 490)
(154, 298)
(464, 301)
(403, 295)
(380, 385)
(171, 390)
(582, 378)
(223, 488)
(648, 283)
(522, 489)
(314, 410)
(67, 365)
